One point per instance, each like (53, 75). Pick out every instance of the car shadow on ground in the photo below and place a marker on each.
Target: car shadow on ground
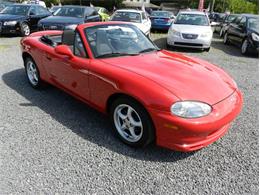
(83, 120)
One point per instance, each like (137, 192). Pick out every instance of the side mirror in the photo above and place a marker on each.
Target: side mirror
(64, 50)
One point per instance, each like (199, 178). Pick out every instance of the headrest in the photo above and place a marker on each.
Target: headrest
(68, 37)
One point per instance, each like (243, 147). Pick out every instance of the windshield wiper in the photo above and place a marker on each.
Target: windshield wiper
(116, 54)
(148, 50)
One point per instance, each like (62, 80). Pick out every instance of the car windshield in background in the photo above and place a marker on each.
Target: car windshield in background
(253, 23)
(192, 19)
(127, 17)
(70, 12)
(230, 18)
(161, 14)
(117, 40)
(16, 10)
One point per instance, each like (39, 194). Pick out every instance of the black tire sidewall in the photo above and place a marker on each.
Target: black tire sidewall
(148, 128)
(227, 41)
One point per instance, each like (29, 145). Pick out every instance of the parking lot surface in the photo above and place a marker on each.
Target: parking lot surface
(51, 143)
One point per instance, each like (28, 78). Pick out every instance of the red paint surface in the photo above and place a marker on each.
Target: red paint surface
(156, 80)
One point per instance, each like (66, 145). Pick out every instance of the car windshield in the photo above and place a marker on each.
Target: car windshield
(161, 14)
(253, 23)
(16, 10)
(127, 17)
(192, 19)
(77, 12)
(230, 18)
(117, 40)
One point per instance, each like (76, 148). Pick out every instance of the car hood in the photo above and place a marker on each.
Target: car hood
(8, 17)
(186, 77)
(61, 20)
(191, 28)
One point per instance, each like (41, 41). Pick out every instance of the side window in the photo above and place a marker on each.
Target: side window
(42, 11)
(79, 49)
(32, 11)
(105, 11)
(144, 16)
(242, 22)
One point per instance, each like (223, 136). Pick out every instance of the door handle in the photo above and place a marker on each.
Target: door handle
(48, 58)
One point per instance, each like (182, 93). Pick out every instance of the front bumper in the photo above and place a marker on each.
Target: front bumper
(161, 26)
(193, 134)
(5, 30)
(199, 42)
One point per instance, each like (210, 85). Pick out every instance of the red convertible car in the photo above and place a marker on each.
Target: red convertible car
(151, 95)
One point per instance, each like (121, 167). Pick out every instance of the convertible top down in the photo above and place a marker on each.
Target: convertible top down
(180, 102)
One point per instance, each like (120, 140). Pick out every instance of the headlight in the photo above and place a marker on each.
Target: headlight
(71, 27)
(207, 34)
(255, 37)
(10, 23)
(175, 33)
(190, 109)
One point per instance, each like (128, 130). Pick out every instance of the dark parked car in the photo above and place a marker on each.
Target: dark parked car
(68, 16)
(244, 33)
(230, 18)
(21, 18)
(161, 20)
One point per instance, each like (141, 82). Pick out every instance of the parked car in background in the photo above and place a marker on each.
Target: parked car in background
(217, 18)
(104, 14)
(221, 29)
(138, 18)
(161, 20)
(68, 16)
(244, 33)
(190, 29)
(21, 19)
(53, 9)
(151, 95)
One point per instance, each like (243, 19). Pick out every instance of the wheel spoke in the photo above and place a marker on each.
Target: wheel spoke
(132, 132)
(122, 116)
(129, 112)
(134, 122)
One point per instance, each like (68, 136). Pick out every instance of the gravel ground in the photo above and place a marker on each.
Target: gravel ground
(51, 143)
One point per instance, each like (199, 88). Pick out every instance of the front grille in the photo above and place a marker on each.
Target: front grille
(189, 36)
(53, 27)
(189, 44)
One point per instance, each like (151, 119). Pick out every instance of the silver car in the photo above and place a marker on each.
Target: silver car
(190, 29)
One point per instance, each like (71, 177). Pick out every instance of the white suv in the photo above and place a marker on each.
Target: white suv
(136, 17)
(190, 29)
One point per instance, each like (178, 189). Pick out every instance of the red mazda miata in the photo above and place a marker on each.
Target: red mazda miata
(180, 102)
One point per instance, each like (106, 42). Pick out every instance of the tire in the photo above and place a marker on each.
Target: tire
(32, 73)
(207, 49)
(132, 124)
(221, 32)
(225, 39)
(245, 47)
(25, 30)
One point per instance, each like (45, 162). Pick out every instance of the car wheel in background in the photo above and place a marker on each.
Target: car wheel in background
(131, 122)
(245, 47)
(226, 40)
(221, 32)
(207, 49)
(25, 29)
(32, 73)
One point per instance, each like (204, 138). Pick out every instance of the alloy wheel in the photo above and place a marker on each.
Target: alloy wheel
(128, 123)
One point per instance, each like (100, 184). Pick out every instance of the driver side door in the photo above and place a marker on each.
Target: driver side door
(71, 74)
